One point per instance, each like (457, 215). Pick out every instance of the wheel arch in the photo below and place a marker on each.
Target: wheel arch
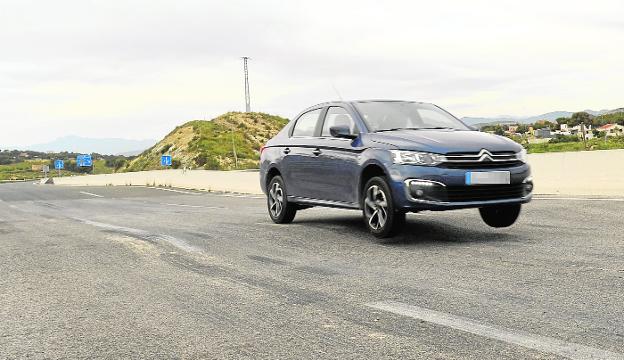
(369, 171)
(271, 173)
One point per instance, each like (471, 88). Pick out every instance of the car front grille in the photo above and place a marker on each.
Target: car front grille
(484, 192)
(482, 164)
(480, 160)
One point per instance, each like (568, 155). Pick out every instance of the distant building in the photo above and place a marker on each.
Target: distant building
(612, 129)
(578, 131)
(542, 133)
(564, 128)
(513, 129)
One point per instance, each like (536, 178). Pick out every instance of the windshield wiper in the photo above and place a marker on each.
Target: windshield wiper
(438, 128)
(399, 128)
(421, 128)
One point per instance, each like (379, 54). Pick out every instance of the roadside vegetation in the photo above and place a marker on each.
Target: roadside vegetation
(566, 133)
(27, 165)
(610, 143)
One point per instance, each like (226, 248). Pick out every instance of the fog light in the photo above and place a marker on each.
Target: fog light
(528, 185)
(425, 190)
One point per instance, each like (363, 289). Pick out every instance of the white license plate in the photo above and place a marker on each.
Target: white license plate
(488, 178)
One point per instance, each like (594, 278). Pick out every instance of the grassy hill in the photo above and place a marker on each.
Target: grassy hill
(209, 144)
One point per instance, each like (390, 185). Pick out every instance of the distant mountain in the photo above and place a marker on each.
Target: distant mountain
(130, 153)
(104, 146)
(506, 119)
(614, 111)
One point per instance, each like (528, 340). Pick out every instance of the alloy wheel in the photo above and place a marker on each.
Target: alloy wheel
(376, 207)
(276, 199)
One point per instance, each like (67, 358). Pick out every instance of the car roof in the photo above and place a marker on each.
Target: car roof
(351, 102)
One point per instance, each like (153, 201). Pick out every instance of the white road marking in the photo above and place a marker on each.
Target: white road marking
(517, 337)
(142, 234)
(579, 199)
(92, 194)
(172, 190)
(193, 206)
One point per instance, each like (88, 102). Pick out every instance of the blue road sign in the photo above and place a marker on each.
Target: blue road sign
(59, 164)
(84, 160)
(165, 160)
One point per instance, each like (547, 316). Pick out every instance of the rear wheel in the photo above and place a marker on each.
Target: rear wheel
(380, 216)
(500, 216)
(280, 210)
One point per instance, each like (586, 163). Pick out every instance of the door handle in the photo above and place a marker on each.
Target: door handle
(316, 152)
(286, 151)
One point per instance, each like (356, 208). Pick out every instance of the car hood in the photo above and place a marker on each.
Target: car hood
(444, 141)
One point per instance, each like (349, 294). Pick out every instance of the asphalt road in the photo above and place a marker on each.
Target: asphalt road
(119, 272)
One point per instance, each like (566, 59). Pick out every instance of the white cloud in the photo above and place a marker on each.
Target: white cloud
(136, 69)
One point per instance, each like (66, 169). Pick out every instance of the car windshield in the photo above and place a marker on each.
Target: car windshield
(399, 115)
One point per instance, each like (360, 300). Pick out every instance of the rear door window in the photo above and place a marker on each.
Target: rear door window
(306, 124)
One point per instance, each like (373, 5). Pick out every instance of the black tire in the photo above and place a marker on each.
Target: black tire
(372, 208)
(500, 216)
(280, 210)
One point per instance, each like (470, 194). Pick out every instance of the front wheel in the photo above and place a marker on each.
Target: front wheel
(501, 215)
(380, 216)
(280, 210)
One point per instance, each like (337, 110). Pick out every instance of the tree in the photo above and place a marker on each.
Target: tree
(522, 129)
(119, 163)
(562, 120)
(581, 117)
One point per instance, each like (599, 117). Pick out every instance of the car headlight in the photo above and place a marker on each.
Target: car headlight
(522, 155)
(416, 158)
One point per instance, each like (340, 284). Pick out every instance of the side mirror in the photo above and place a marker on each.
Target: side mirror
(342, 132)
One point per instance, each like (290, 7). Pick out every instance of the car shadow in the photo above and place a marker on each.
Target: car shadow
(417, 231)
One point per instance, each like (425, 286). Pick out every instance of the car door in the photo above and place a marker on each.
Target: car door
(338, 169)
(299, 162)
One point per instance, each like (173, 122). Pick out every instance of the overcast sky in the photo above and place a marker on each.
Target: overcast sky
(136, 69)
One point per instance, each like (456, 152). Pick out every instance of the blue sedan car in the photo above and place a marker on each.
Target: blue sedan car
(388, 158)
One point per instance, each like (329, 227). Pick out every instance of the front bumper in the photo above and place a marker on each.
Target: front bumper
(437, 188)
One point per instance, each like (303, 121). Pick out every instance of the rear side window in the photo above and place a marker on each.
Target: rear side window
(337, 116)
(306, 124)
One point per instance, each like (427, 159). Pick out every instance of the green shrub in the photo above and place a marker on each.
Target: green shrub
(201, 159)
(165, 148)
(564, 139)
(212, 164)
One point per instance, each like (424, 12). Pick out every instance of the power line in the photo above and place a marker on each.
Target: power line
(247, 96)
